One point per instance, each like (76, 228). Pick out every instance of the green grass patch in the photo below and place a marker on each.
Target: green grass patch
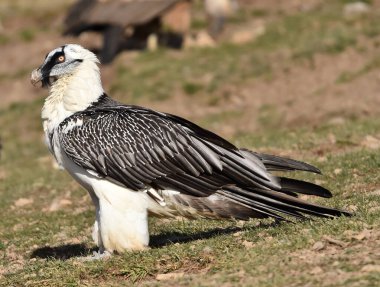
(151, 78)
(215, 250)
(27, 35)
(349, 76)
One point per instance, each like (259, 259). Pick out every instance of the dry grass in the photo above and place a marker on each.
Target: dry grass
(308, 89)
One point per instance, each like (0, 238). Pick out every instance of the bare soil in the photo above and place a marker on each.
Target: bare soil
(297, 93)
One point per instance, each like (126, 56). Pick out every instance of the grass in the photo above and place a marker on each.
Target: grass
(349, 76)
(34, 239)
(47, 217)
(200, 69)
(322, 30)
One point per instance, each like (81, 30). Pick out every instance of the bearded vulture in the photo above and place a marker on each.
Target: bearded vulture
(137, 19)
(218, 11)
(136, 162)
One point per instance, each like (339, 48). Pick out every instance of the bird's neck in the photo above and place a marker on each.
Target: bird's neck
(70, 94)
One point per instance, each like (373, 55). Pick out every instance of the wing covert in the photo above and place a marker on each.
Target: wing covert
(140, 149)
(134, 149)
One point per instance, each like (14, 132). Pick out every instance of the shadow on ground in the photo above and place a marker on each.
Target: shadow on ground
(157, 241)
(67, 251)
(63, 252)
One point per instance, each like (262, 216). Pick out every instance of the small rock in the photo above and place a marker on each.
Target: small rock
(355, 10)
(169, 276)
(348, 233)
(3, 174)
(248, 244)
(365, 234)
(320, 182)
(352, 208)
(337, 171)
(337, 121)
(319, 245)
(335, 263)
(23, 201)
(335, 241)
(374, 209)
(316, 270)
(375, 192)
(331, 138)
(202, 39)
(322, 159)
(243, 36)
(57, 204)
(370, 142)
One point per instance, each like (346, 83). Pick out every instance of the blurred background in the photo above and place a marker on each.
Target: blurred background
(256, 64)
(241, 67)
(296, 78)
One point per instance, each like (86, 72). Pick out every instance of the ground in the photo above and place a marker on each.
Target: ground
(306, 87)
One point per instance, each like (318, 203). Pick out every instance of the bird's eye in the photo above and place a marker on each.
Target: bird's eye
(61, 59)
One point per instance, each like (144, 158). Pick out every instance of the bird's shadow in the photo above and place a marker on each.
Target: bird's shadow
(67, 251)
(62, 252)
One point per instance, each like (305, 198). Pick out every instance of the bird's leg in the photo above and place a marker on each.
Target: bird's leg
(122, 218)
(216, 26)
(96, 236)
(112, 40)
(123, 228)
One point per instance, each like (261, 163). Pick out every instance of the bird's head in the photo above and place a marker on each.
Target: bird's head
(63, 61)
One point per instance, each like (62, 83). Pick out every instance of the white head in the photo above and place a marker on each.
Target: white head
(60, 62)
(71, 74)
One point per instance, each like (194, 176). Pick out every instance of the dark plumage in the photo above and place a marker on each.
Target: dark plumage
(112, 17)
(139, 148)
(134, 161)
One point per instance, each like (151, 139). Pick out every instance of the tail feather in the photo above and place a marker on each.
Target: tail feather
(277, 204)
(244, 198)
(294, 186)
(261, 207)
(276, 163)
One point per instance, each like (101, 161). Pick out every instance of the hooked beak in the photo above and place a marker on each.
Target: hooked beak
(36, 76)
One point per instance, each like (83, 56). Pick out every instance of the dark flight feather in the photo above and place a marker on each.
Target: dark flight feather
(139, 149)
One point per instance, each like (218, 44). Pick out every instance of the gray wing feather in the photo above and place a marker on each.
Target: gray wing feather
(141, 149)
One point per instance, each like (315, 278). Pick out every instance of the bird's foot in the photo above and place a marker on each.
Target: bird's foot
(97, 255)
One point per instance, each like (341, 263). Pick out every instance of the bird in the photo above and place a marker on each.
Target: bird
(136, 162)
(218, 11)
(128, 24)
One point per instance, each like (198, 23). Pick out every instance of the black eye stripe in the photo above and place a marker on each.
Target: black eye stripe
(51, 63)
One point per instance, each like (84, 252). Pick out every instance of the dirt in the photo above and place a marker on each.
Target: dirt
(356, 248)
(296, 94)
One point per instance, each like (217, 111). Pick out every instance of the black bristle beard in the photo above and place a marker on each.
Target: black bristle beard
(48, 81)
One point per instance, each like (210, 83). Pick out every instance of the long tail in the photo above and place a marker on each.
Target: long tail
(284, 202)
(276, 204)
(243, 202)
(277, 163)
